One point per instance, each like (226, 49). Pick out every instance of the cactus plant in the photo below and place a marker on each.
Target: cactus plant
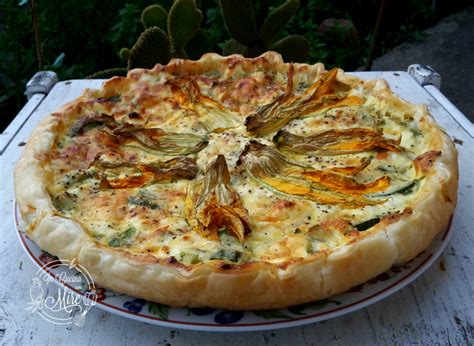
(177, 34)
(124, 54)
(239, 17)
(183, 23)
(152, 47)
(198, 45)
(177, 29)
(240, 20)
(293, 48)
(154, 15)
(165, 36)
(277, 19)
(104, 74)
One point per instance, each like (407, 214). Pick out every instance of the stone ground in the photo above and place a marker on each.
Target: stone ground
(448, 47)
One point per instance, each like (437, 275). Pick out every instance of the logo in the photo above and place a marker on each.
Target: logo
(62, 292)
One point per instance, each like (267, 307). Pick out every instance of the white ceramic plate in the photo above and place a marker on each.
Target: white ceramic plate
(209, 319)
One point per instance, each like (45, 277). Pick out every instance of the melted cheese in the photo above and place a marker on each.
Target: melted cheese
(151, 219)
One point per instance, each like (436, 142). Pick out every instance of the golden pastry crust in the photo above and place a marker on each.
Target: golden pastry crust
(252, 284)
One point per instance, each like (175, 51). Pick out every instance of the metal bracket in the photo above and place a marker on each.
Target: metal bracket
(36, 90)
(430, 80)
(424, 75)
(41, 83)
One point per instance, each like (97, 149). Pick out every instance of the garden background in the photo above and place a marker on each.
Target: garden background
(80, 37)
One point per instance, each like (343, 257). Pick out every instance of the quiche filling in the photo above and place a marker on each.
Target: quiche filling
(248, 167)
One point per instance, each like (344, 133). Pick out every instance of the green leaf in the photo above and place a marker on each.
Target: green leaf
(58, 61)
(159, 310)
(233, 47)
(183, 22)
(270, 314)
(319, 304)
(277, 20)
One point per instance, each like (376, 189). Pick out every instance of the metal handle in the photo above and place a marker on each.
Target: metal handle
(36, 90)
(41, 83)
(424, 75)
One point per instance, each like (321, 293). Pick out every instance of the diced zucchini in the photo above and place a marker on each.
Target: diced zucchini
(363, 226)
(142, 201)
(64, 201)
(189, 258)
(124, 238)
(227, 255)
(403, 191)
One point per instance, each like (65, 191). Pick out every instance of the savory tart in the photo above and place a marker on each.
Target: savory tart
(237, 183)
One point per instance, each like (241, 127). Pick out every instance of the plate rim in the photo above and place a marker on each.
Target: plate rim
(267, 325)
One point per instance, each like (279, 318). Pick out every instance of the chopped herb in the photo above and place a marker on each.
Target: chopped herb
(367, 224)
(92, 125)
(227, 239)
(416, 132)
(115, 242)
(123, 238)
(63, 201)
(386, 169)
(227, 255)
(189, 258)
(78, 176)
(114, 99)
(143, 202)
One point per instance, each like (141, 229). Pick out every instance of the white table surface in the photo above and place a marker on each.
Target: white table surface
(438, 308)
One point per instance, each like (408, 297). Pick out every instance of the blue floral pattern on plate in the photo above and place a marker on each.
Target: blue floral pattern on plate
(215, 319)
(228, 317)
(134, 306)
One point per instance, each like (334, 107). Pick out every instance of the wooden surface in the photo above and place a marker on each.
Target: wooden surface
(438, 308)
